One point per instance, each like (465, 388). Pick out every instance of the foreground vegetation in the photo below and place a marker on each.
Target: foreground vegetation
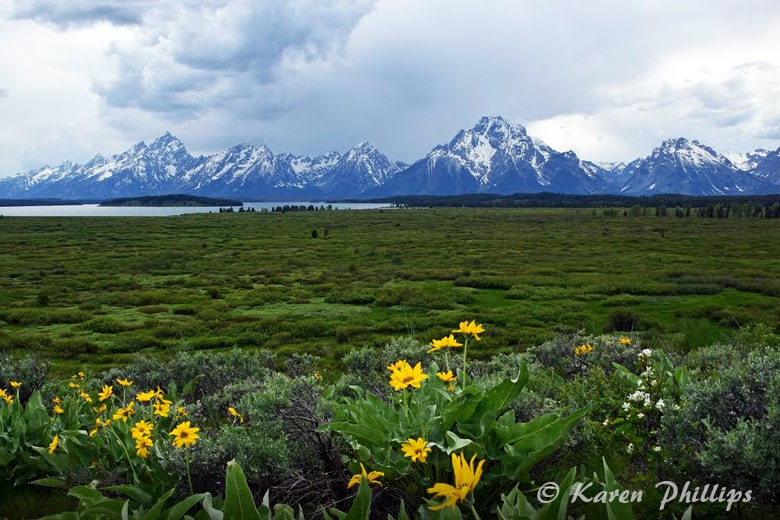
(439, 436)
(94, 291)
(139, 357)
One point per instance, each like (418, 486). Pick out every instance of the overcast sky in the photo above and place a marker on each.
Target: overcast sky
(607, 79)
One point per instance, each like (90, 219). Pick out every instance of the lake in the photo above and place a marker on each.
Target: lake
(95, 210)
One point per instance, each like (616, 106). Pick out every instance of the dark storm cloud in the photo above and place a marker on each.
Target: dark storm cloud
(192, 57)
(81, 12)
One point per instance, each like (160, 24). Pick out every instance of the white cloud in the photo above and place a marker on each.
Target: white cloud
(607, 79)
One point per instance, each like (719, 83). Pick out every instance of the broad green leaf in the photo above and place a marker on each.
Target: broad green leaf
(239, 503)
(53, 482)
(87, 495)
(179, 509)
(136, 493)
(623, 371)
(522, 455)
(156, 510)
(210, 511)
(616, 510)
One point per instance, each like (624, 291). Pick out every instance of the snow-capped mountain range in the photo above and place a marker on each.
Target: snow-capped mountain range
(494, 156)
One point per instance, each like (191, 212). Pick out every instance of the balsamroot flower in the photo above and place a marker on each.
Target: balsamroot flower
(445, 342)
(107, 392)
(124, 413)
(470, 329)
(583, 349)
(466, 479)
(416, 449)
(232, 411)
(447, 377)
(184, 435)
(373, 477)
(142, 445)
(145, 397)
(15, 384)
(54, 443)
(625, 341)
(403, 375)
(124, 382)
(142, 429)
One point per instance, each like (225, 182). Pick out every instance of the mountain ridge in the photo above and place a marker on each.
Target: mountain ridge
(493, 156)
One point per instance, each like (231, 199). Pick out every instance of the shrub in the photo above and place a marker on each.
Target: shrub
(728, 425)
(105, 325)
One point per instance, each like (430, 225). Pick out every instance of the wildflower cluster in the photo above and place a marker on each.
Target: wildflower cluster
(583, 349)
(643, 409)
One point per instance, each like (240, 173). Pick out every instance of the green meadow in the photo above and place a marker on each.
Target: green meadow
(94, 292)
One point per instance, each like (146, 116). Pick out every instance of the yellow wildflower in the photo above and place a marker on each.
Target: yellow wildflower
(404, 375)
(470, 329)
(107, 392)
(466, 479)
(124, 382)
(145, 397)
(162, 408)
(142, 429)
(181, 411)
(625, 341)
(142, 445)
(184, 435)
(85, 396)
(16, 384)
(58, 409)
(445, 342)
(317, 376)
(99, 409)
(583, 349)
(54, 443)
(81, 375)
(232, 411)
(73, 385)
(416, 449)
(99, 423)
(447, 376)
(2, 392)
(8, 398)
(124, 413)
(56, 400)
(373, 477)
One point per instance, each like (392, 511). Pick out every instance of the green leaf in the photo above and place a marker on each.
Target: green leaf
(537, 444)
(239, 503)
(52, 482)
(179, 509)
(136, 493)
(491, 404)
(87, 495)
(623, 371)
(401, 513)
(361, 505)
(616, 510)
(209, 510)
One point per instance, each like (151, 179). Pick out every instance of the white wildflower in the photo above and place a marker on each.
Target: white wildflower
(640, 415)
(656, 449)
(630, 447)
(660, 404)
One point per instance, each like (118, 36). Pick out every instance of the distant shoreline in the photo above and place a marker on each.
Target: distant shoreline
(172, 201)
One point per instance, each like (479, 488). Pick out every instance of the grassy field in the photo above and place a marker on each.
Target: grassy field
(95, 291)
